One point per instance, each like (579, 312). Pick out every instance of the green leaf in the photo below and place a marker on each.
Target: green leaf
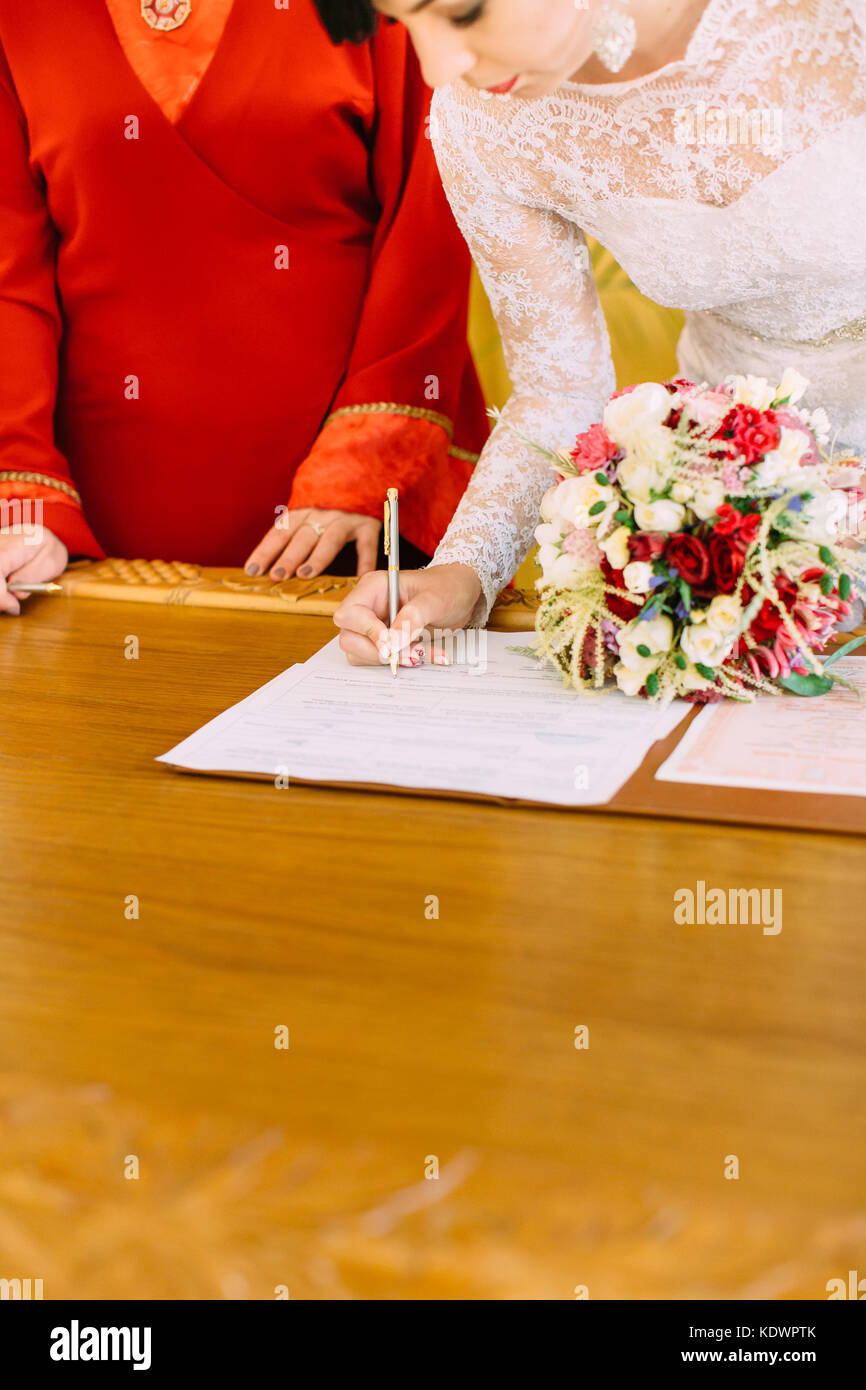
(844, 586)
(596, 508)
(782, 400)
(624, 517)
(806, 685)
(685, 593)
(603, 479)
(843, 651)
(643, 650)
(706, 671)
(681, 661)
(826, 582)
(826, 555)
(652, 684)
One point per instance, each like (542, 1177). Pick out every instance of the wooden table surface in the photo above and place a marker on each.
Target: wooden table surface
(414, 1040)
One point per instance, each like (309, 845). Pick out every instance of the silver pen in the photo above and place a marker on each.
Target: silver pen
(392, 551)
(51, 588)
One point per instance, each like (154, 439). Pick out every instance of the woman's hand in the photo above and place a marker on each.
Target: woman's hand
(306, 540)
(28, 563)
(441, 596)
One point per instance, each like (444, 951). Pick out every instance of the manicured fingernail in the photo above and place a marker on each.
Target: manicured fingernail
(278, 573)
(305, 570)
(252, 569)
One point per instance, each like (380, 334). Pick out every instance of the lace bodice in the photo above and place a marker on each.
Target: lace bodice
(730, 184)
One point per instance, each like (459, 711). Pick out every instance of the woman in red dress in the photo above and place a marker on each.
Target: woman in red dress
(233, 298)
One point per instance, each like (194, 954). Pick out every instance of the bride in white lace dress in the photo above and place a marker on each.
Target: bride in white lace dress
(724, 166)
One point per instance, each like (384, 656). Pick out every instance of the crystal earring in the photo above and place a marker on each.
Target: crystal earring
(615, 36)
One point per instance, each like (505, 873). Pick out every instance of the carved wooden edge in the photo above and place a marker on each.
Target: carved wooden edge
(197, 586)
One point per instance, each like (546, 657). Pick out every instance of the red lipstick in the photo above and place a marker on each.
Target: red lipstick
(503, 86)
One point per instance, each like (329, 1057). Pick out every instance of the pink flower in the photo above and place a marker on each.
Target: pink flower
(594, 450)
(731, 479)
(709, 408)
(582, 545)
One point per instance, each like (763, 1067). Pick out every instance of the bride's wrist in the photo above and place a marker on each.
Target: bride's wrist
(465, 575)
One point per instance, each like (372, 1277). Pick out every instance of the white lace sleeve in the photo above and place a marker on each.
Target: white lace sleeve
(536, 269)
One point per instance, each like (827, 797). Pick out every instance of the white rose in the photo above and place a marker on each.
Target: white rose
(576, 496)
(558, 567)
(547, 511)
(682, 491)
(708, 498)
(792, 385)
(782, 460)
(704, 644)
(550, 532)
(631, 682)
(752, 390)
(656, 634)
(659, 516)
(631, 417)
(724, 614)
(637, 576)
(691, 679)
(546, 557)
(616, 549)
(820, 519)
(819, 423)
(638, 476)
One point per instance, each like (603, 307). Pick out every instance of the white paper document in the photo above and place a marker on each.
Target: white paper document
(503, 727)
(780, 743)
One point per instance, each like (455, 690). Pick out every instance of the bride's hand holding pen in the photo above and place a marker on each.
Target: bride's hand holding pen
(439, 597)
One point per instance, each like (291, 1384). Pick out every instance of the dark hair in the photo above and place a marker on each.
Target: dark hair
(352, 20)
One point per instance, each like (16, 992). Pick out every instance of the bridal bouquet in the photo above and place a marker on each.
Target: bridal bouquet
(691, 545)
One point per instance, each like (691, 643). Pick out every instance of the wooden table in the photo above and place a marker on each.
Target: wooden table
(414, 1040)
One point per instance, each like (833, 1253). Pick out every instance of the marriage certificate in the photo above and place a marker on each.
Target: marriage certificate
(498, 725)
(783, 743)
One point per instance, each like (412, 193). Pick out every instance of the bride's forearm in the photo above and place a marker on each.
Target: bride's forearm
(493, 528)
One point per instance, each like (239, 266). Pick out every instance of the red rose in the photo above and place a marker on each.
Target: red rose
(766, 623)
(755, 442)
(729, 519)
(739, 417)
(747, 533)
(727, 561)
(741, 530)
(688, 556)
(753, 432)
(622, 607)
(647, 545)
